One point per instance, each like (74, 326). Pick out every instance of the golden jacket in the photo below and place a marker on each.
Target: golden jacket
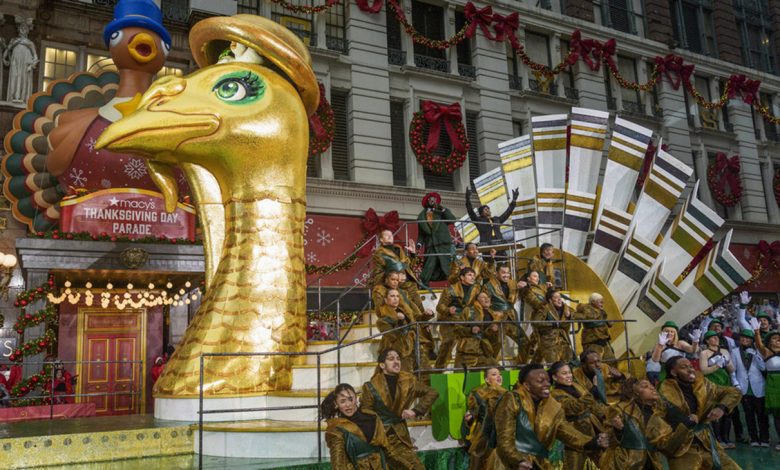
(584, 413)
(499, 301)
(592, 332)
(380, 262)
(482, 405)
(544, 268)
(483, 270)
(618, 457)
(454, 295)
(548, 421)
(408, 391)
(612, 385)
(400, 340)
(339, 459)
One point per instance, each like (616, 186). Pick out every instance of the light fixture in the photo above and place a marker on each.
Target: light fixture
(7, 265)
(123, 298)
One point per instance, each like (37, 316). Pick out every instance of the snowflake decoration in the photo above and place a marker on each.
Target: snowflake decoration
(311, 257)
(77, 177)
(91, 145)
(324, 238)
(362, 280)
(105, 183)
(306, 225)
(135, 169)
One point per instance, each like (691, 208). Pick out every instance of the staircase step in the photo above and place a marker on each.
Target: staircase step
(366, 351)
(305, 376)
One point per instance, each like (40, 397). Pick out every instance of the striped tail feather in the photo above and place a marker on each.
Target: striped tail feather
(608, 240)
(491, 189)
(636, 260)
(549, 134)
(517, 162)
(34, 193)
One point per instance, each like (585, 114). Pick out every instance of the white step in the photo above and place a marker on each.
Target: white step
(355, 373)
(365, 351)
(287, 440)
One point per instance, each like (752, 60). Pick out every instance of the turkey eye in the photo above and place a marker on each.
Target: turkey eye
(166, 48)
(116, 38)
(239, 88)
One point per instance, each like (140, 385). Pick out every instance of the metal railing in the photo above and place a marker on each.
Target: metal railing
(51, 398)
(418, 370)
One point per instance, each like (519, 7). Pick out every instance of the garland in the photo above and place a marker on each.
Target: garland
(591, 51)
(342, 265)
(322, 126)
(47, 314)
(105, 237)
(434, 114)
(724, 172)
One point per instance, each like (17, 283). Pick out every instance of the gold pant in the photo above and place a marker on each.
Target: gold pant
(606, 352)
(400, 456)
(699, 458)
(445, 353)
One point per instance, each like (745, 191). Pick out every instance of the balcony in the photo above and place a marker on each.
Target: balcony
(336, 44)
(633, 107)
(571, 93)
(466, 70)
(396, 57)
(432, 63)
(534, 85)
(515, 82)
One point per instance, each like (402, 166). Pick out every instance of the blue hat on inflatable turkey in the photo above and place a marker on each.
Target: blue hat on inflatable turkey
(140, 13)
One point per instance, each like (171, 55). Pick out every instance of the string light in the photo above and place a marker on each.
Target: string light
(146, 298)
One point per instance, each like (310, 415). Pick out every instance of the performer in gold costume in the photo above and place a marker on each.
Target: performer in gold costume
(356, 440)
(503, 292)
(532, 292)
(455, 304)
(390, 256)
(393, 314)
(529, 420)
(581, 410)
(492, 332)
(604, 382)
(473, 348)
(631, 421)
(480, 418)
(595, 333)
(543, 264)
(694, 402)
(551, 339)
(391, 394)
(470, 259)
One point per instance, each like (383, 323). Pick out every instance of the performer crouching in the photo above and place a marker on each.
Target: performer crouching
(480, 418)
(356, 439)
(694, 402)
(391, 394)
(581, 410)
(632, 420)
(528, 421)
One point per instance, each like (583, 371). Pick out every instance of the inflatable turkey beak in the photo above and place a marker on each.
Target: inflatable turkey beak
(143, 48)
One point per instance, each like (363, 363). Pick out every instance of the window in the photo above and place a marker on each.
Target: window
(567, 76)
(335, 33)
(340, 147)
(769, 129)
(538, 48)
(299, 23)
(656, 104)
(58, 64)
(98, 62)
(473, 156)
(395, 53)
(725, 111)
(630, 98)
(707, 118)
(465, 68)
(611, 100)
(619, 14)
(754, 23)
(518, 126)
(398, 141)
(428, 20)
(693, 30)
(250, 7)
(513, 64)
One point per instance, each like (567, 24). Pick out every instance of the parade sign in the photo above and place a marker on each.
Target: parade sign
(127, 212)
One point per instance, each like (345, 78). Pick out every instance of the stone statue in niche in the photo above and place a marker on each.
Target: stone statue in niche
(20, 58)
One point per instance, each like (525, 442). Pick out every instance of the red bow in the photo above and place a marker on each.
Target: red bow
(593, 52)
(506, 26)
(434, 114)
(768, 251)
(728, 168)
(748, 89)
(373, 224)
(374, 8)
(673, 64)
(481, 17)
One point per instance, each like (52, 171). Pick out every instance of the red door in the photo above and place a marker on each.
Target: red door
(108, 337)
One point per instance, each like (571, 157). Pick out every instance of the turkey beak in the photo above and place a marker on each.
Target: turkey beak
(142, 48)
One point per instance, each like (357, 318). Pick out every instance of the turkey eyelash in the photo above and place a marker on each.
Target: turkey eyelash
(253, 84)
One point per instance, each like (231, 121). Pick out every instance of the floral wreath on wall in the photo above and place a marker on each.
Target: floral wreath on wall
(322, 126)
(435, 115)
(722, 173)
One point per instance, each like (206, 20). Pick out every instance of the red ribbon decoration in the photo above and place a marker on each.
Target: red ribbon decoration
(591, 51)
(728, 168)
(374, 8)
(374, 224)
(768, 251)
(745, 87)
(434, 114)
(481, 17)
(674, 65)
(314, 120)
(506, 28)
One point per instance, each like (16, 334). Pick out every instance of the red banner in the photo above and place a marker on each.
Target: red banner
(128, 212)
